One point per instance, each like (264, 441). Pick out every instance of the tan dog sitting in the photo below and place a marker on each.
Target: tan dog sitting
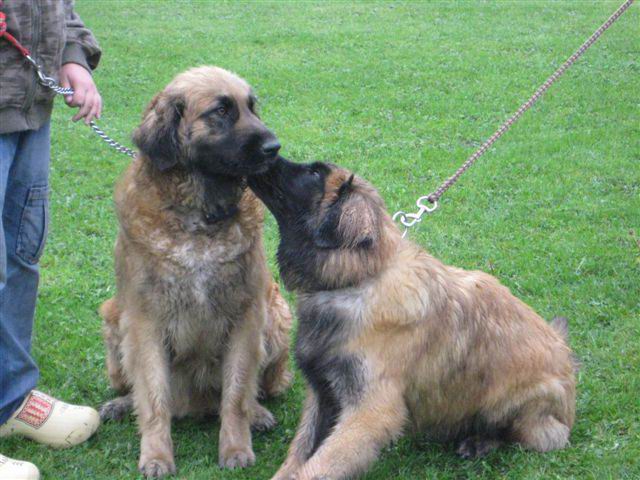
(389, 337)
(198, 325)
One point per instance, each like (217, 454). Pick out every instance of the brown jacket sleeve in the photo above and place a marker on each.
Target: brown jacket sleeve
(81, 46)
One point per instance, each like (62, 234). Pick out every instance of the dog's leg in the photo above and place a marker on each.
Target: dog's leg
(357, 438)
(540, 431)
(261, 418)
(544, 423)
(277, 377)
(240, 390)
(117, 408)
(146, 362)
(302, 444)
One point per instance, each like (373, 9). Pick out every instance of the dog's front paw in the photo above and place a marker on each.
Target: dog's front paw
(237, 458)
(156, 468)
(306, 477)
(263, 419)
(287, 471)
(285, 476)
(115, 409)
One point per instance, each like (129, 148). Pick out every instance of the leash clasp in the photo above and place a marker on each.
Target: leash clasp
(432, 207)
(42, 78)
(32, 61)
(410, 219)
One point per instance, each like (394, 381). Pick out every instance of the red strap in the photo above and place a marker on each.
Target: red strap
(10, 38)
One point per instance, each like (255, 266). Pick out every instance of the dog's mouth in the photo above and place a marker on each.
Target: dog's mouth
(262, 186)
(263, 165)
(238, 165)
(286, 188)
(265, 186)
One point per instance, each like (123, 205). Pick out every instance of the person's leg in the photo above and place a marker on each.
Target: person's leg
(24, 175)
(25, 214)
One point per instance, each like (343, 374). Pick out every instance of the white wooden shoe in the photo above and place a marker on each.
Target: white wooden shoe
(51, 422)
(11, 469)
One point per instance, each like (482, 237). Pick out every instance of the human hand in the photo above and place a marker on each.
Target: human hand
(85, 94)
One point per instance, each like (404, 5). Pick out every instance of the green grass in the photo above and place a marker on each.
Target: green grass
(400, 93)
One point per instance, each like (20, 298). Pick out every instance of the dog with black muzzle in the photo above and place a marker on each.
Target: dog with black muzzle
(390, 338)
(197, 325)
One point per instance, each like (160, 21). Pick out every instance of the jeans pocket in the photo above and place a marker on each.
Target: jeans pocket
(34, 225)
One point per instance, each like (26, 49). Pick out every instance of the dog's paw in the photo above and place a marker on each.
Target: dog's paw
(237, 458)
(292, 476)
(156, 468)
(116, 409)
(476, 447)
(263, 419)
(287, 471)
(285, 476)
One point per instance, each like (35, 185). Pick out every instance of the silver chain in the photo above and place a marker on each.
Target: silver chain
(410, 219)
(53, 85)
(111, 142)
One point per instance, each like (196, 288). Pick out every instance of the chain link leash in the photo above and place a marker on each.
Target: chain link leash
(53, 85)
(410, 219)
(118, 147)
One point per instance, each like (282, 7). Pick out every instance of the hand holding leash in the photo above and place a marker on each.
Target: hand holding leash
(85, 93)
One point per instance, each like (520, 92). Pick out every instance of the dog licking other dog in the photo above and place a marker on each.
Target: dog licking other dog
(391, 339)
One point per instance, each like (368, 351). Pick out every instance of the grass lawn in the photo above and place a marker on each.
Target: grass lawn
(400, 93)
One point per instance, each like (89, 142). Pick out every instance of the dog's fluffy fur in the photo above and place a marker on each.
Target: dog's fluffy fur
(389, 337)
(197, 326)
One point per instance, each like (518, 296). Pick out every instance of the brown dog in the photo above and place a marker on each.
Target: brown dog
(197, 326)
(390, 337)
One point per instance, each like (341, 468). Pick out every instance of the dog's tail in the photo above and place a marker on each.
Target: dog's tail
(561, 325)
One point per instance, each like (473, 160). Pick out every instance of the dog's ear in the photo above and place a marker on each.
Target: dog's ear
(350, 222)
(157, 136)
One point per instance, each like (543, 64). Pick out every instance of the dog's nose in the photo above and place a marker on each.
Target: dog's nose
(271, 147)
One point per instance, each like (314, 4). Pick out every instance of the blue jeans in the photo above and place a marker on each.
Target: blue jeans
(24, 192)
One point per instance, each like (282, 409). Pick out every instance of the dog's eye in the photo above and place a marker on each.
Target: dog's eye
(221, 111)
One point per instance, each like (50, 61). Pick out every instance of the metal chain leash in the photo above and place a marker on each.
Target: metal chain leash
(111, 142)
(53, 85)
(410, 219)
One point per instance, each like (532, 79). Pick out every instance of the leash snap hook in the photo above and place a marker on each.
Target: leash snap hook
(432, 207)
(406, 219)
(401, 217)
(33, 62)
(42, 78)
